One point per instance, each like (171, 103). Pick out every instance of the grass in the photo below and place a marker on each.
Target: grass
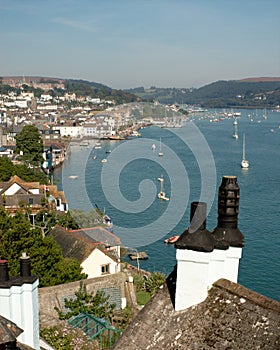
(142, 297)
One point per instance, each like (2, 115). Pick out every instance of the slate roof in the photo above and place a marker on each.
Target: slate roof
(99, 234)
(72, 245)
(231, 318)
(9, 331)
(77, 244)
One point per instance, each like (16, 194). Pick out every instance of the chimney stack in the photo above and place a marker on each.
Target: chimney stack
(203, 257)
(19, 301)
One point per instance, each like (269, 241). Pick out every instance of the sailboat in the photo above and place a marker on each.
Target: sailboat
(160, 153)
(235, 135)
(161, 194)
(244, 162)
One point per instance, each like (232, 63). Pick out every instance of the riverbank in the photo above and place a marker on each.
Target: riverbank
(255, 221)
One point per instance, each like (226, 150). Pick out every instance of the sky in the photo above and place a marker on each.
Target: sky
(133, 43)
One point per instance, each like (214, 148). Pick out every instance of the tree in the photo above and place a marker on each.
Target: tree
(16, 236)
(97, 305)
(30, 143)
(6, 169)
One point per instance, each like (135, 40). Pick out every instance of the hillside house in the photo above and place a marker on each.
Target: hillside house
(18, 194)
(97, 249)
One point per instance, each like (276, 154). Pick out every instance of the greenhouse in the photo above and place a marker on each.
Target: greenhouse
(96, 328)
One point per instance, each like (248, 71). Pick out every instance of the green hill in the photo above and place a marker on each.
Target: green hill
(257, 92)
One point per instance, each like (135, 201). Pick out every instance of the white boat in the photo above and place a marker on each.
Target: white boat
(160, 153)
(161, 194)
(244, 163)
(104, 160)
(84, 144)
(153, 147)
(73, 177)
(235, 122)
(235, 135)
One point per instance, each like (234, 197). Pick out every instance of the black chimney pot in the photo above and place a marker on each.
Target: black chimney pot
(227, 232)
(4, 271)
(197, 237)
(25, 265)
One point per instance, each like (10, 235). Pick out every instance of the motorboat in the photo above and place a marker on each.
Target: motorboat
(171, 239)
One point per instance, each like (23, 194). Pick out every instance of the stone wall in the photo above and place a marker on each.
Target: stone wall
(49, 297)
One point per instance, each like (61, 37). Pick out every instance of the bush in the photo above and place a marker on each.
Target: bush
(146, 287)
(64, 337)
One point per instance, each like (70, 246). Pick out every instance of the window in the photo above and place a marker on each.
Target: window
(30, 201)
(105, 269)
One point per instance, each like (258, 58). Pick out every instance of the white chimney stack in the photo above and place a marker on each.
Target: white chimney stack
(19, 300)
(203, 257)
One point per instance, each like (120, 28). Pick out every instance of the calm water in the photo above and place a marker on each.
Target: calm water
(132, 163)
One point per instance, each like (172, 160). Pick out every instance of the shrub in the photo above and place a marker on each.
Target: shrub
(63, 337)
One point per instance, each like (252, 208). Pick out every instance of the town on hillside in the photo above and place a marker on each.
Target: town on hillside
(66, 285)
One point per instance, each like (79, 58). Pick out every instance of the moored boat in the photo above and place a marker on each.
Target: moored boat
(161, 194)
(171, 239)
(138, 256)
(244, 163)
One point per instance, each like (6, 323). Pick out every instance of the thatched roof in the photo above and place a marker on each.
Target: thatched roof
(232, 317)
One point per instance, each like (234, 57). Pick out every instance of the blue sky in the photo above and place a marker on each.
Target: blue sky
(130, 43)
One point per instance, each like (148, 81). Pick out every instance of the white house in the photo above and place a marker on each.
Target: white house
(99, 263)
(97, 249)
(70, 130)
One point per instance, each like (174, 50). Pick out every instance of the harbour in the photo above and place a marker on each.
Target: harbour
(259, 190)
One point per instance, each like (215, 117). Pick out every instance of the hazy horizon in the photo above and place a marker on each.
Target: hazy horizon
(128, 44)
(132, 87)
